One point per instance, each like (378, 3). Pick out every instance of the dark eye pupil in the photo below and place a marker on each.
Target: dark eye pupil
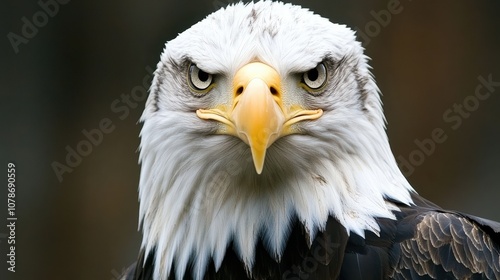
(203, 76)
(313, 74)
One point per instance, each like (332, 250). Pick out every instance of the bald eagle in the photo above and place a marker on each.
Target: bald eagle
(264, 156)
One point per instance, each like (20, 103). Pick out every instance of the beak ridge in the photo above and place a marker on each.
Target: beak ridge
(258, 119)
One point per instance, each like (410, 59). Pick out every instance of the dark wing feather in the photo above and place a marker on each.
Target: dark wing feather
(425, 242)
(447, 245)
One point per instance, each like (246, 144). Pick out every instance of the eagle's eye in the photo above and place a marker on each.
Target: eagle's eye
(199, 80)
(316, 77)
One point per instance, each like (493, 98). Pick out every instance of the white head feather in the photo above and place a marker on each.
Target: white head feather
(199, 191)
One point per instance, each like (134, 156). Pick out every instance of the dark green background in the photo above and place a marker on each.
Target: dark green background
(425, 59)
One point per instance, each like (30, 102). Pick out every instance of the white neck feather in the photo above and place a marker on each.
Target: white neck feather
(196, 199)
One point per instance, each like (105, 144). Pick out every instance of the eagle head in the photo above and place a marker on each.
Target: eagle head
(259, 114)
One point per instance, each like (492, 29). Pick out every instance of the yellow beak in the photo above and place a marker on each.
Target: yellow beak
(258, 116)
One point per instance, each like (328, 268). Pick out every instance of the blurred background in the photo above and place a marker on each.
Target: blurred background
(79, 59)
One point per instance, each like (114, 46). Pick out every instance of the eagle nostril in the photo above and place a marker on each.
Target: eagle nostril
(239, 90)
(273, 90)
